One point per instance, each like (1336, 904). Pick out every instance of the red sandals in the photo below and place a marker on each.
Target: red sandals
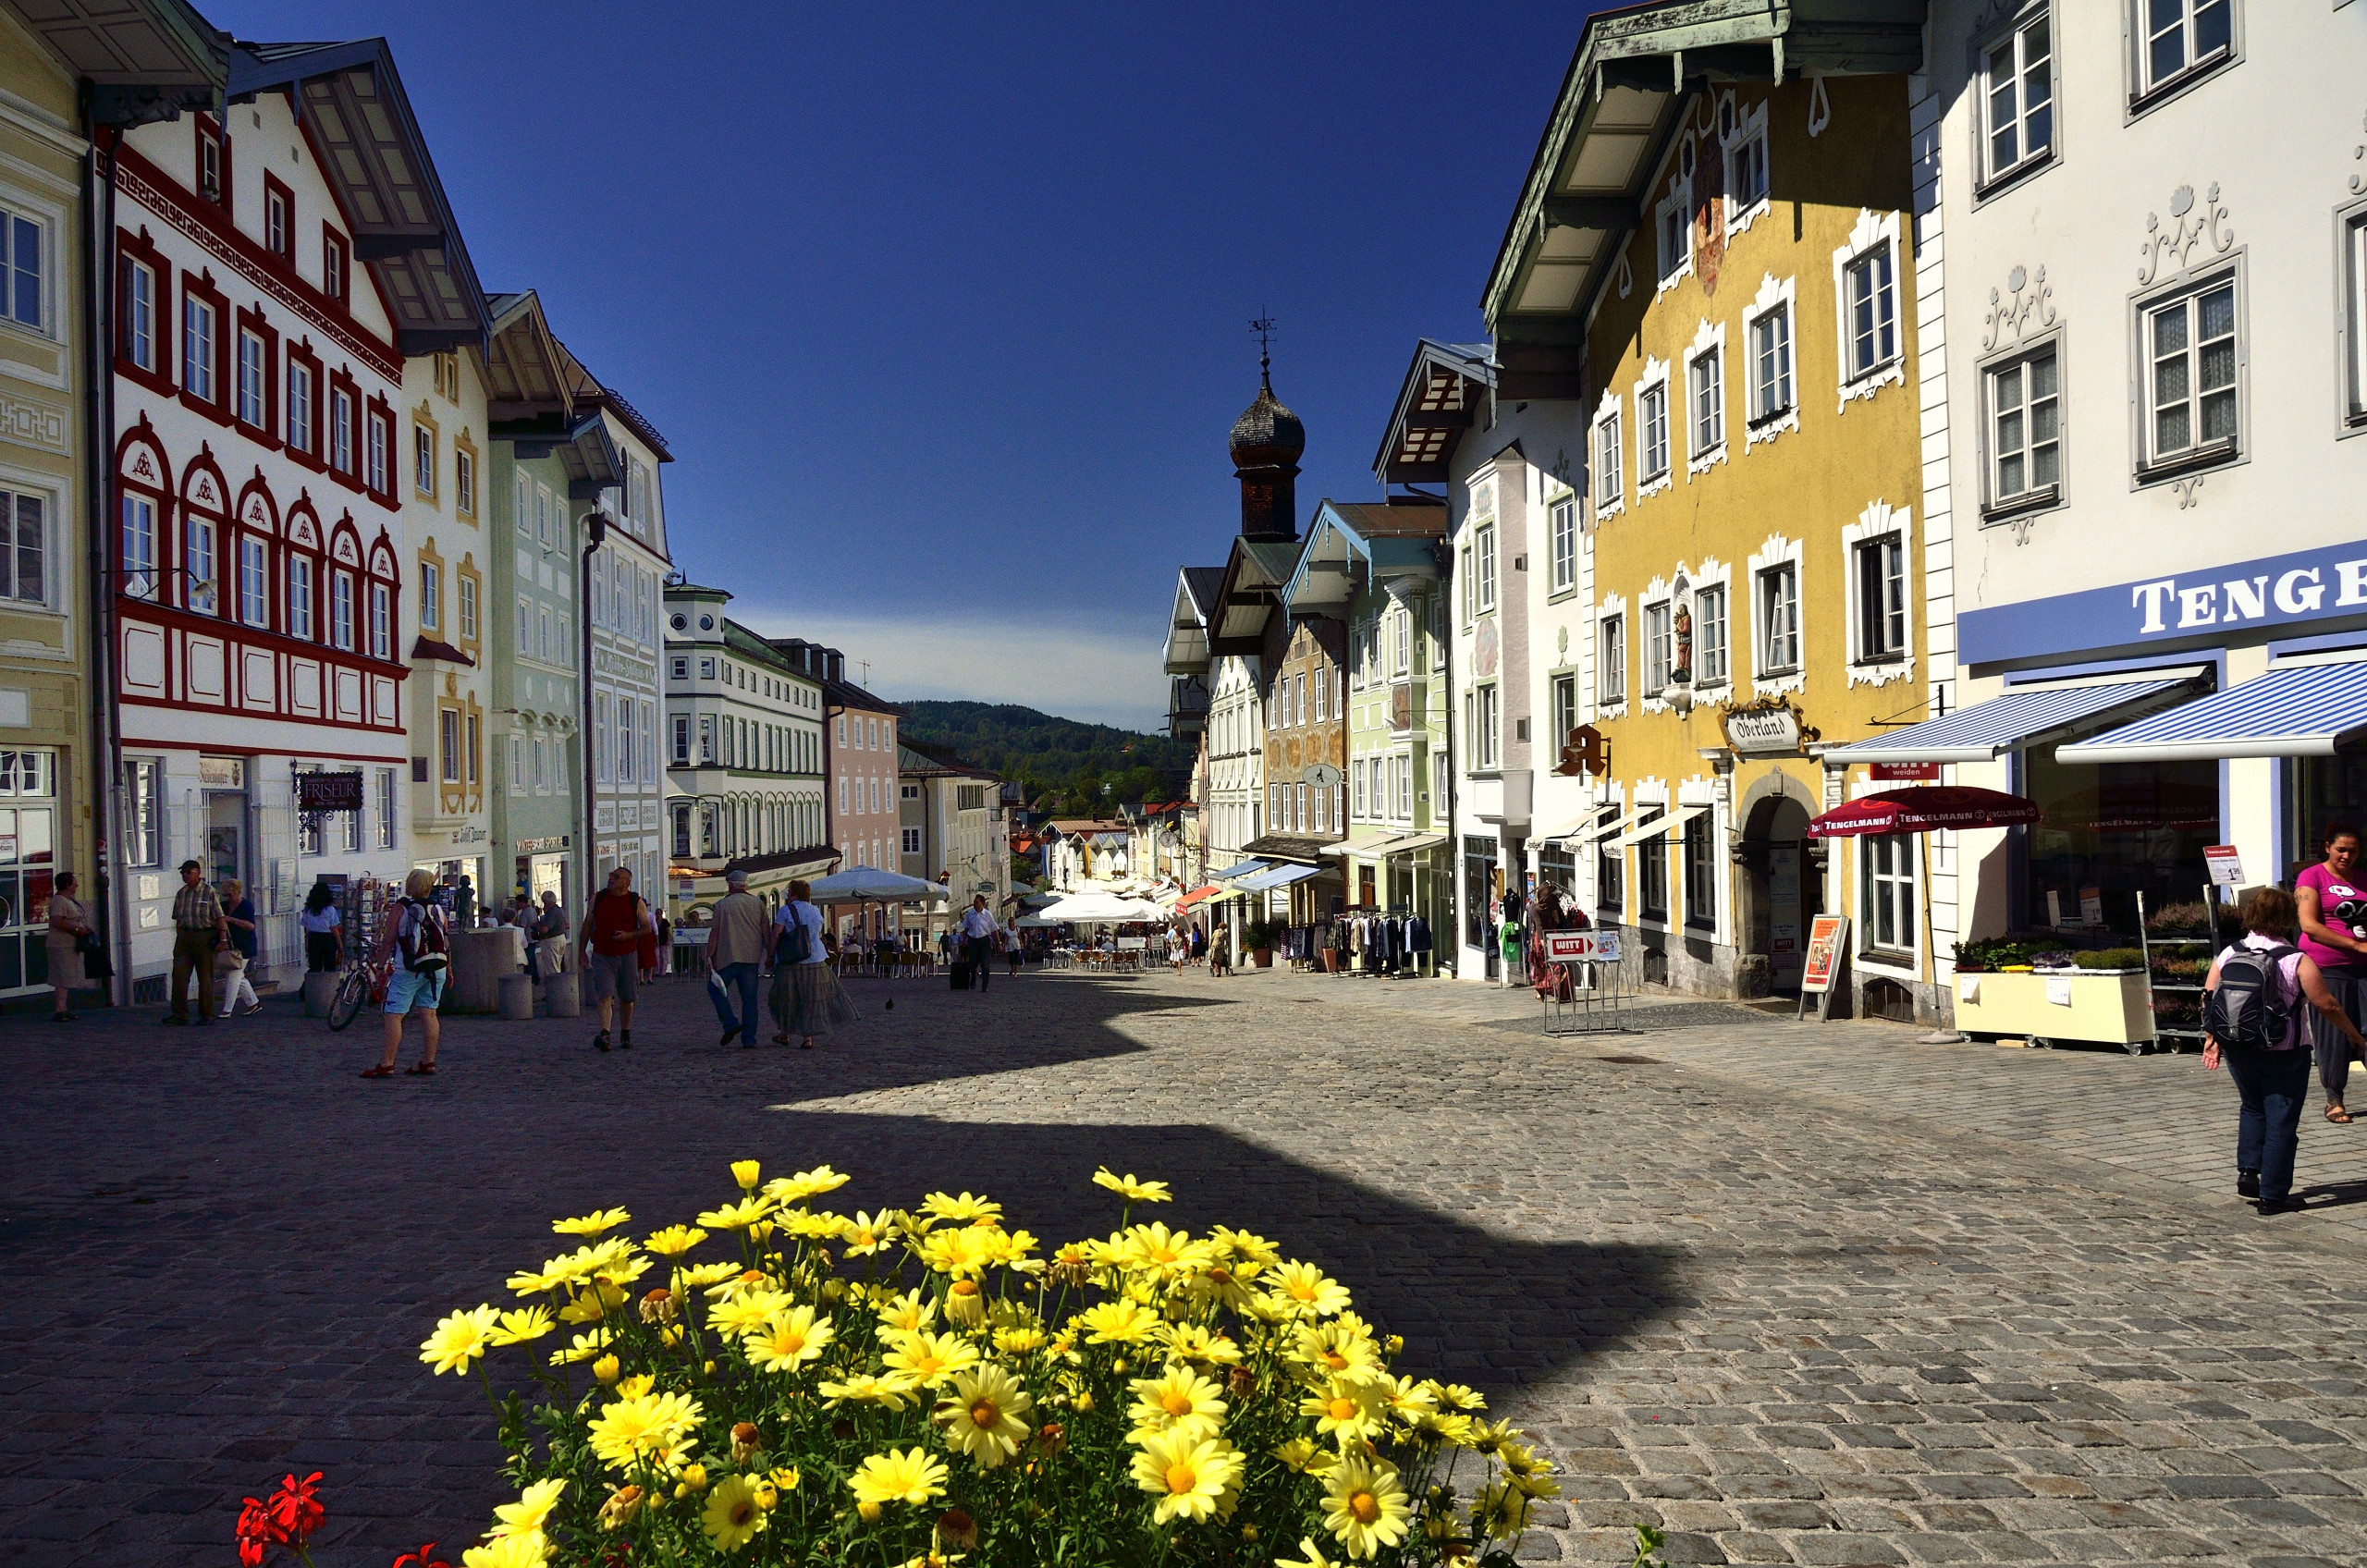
(377, 1072)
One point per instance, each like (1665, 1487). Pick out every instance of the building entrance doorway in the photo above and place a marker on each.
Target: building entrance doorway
(1782, 891)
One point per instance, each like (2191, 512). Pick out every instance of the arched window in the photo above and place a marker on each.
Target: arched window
(143, 510)
(345, 586)
(254, 537)
(205, 533)
(307, 577)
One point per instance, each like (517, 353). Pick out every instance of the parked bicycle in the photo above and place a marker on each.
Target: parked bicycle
(362, 983)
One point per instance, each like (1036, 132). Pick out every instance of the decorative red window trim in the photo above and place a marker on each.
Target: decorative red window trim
(379, 407)
(158, 493)
(300, 514)
(209, 131)
(200, 287)
(187, 509)
(316, 456)
(142, 248)
(337, 268)
(274, 188)
(341, 380)
(267, 434)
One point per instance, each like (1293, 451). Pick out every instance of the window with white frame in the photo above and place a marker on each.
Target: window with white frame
(1404, 768)
(1561, 547)
(1744, 137)
(2191, 362)
(138, 546)
(197, 348)
(1881, 597)
(375, 454)
(341, 611)
(1700, 874)
(1887, 878)
(24, 549)
(1485, 726)
(431, 596)
(1779, 619)
(422, 460)
(1485, 543)
(1872, 323)
(251, 372)
(1672, 227)
(1565, 710)
(468, 610)
(2354, 250)
(1659, 644)
(139, 315)
(1651, 433)
(205, 571)
(1357, 779)
(27, 266)
(1710, 636)
(1400, 634)
(2178, 36)
(1771, 364)
(255, 580)
(2018, 85)
(1706, 396)
(340, 430)
(299, 597)
(1610, 659)
(143, 812)
(1610, 488)
(381, 622)
(299, 408)
(2025, 428)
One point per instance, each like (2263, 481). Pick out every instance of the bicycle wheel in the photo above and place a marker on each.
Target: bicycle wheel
(346, 1004)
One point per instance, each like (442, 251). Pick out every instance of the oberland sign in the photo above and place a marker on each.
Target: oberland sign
(2190, 609)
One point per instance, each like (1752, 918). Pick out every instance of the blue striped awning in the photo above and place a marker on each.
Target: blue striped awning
(1238, 868)
(1986, 732)
(1278, 876)
(2301, 711)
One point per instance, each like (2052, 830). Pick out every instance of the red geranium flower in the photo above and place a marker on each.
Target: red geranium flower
(423, 1557)
(295, 1511)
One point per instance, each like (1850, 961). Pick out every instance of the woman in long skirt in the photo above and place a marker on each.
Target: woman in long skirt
(806, 997)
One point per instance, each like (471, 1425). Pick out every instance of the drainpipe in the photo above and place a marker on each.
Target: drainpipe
(1445, 554)
(110, 914)
(595, 524)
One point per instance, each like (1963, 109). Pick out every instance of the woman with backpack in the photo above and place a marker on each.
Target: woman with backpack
(806, 999)
(2251, 1020)
(415, 954)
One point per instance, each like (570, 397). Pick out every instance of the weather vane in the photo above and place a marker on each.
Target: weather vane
(1264, 327)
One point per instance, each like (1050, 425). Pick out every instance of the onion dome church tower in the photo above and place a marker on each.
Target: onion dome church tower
(1267, 441)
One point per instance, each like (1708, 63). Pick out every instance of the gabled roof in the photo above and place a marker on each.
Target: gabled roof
(847, 694)
(1355, 547)
(1617, 110)
(1440, 399)
(938, 762)
(523, 379)
(374, 156)
(1196, 588)
(585, 387)
(1253, 575)
(144, 59)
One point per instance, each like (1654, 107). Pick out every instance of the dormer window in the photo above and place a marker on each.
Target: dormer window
(278, 229)
(209, 164)
(337, 262)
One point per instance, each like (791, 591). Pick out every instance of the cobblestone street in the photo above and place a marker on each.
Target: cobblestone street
(1795, 1293)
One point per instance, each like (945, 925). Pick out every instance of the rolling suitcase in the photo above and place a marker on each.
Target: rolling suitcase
(961, 975)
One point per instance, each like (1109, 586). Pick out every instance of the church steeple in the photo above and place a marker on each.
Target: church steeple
(1267, 441)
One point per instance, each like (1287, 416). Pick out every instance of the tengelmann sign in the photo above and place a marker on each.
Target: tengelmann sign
(2185, 609)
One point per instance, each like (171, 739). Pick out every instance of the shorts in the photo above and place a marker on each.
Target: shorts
(406, 990)
(614, 974)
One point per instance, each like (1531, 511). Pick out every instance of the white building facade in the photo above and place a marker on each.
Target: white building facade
(624, 614)
(450, 709)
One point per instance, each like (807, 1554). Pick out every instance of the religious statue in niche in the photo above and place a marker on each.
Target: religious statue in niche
(1681, 668)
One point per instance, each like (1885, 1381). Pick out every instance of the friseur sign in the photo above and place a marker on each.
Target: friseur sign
(328, 791)
(2185, 610)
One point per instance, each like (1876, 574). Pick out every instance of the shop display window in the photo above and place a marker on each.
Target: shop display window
(2108, 832)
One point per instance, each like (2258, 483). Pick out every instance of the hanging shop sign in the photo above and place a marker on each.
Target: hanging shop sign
(329, 792)
(1757, 732)
(2192, 607)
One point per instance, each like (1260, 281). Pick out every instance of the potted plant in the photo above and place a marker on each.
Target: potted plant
(1259, 936)
(2003, 987)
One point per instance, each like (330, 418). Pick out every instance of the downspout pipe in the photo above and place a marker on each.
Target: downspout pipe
(595, 525)
(112, 914)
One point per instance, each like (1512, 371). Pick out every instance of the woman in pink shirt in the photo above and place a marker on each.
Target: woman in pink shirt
(2331, 897)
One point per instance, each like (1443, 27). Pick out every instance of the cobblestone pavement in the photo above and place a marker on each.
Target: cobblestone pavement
(1808, 1295)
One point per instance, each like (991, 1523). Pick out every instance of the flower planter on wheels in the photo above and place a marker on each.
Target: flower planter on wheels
(2107, 1007)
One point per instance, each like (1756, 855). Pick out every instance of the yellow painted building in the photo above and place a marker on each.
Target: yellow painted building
(1755, 474)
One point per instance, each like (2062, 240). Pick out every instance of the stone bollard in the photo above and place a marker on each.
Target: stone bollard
(517, 996)
(320, 989)
(559, 996)
(478, 961)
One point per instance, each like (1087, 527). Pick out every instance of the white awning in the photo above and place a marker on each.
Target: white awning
(1986, 732)
(1587, 829)
(2304, 711)
(1362, 849)
(1413, 844)
(1659, 826)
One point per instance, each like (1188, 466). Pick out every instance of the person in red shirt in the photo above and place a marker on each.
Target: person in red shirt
(613, 929)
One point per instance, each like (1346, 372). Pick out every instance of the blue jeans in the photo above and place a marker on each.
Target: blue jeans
(719, 991)
(2274, 1084)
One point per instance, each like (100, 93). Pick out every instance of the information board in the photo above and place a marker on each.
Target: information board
(1824, 951)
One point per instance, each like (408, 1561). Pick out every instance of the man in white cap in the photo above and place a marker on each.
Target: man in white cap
(735, 957)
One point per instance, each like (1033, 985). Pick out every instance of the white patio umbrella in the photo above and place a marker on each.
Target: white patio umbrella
(1097, 909)
(870, 885)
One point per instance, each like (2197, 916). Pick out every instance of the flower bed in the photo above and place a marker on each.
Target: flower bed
(777, 1384)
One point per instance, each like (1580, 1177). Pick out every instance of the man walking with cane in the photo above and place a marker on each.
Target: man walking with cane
(978, 933)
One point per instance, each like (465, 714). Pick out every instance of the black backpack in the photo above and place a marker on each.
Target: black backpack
(2249, 1007)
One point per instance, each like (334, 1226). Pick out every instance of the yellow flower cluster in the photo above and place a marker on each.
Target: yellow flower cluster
(961, 1395)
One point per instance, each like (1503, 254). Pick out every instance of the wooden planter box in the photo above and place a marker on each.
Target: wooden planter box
(2109, 1007)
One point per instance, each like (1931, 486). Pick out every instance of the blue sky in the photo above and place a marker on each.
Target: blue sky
(945, 309)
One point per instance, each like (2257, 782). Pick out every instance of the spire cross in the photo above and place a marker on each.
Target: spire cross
(1264, 327)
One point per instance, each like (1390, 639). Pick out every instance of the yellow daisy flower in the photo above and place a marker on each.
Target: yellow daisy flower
(907, 1314)
(929, 1359)
(699, 1276)
(1455, 1396)
(534, 1506)
(868, 1233)
(965, 1305)
(959, 1252)
(1177, 1399)
(1304, 1288)
(599, 1222)
(1298, 1454)
(1344, 1411)
(1246, 1247)
(1117, 1322)
(746, 1173)
(814, 1226)
(508, 1552)
(460, 1339)
(1023, 1340)
(737, 1216)
(1339, 1349)
(636, 1429)
(1365, 1506)
(674, 1241)
(517, 1327)
(1165, 1253)
(733, 1517)
(804, 1185)
(1313, 1558)
(1201, 1346)
(864, 1388)
(1499, 1511)
(899, 1476)
(982, 1418)
(789, 1341)
(961, 1210)
(587, 1347)
(748, 1311)
(592, 1303)
(1131, 1190)
(1191, 1474)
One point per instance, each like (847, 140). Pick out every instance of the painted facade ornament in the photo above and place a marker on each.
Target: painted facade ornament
(2026, 305)
(2189, 225)
(2358, 155)
(1820, 106)
(1709, 192)
(1624, 276)
(2186, 488)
